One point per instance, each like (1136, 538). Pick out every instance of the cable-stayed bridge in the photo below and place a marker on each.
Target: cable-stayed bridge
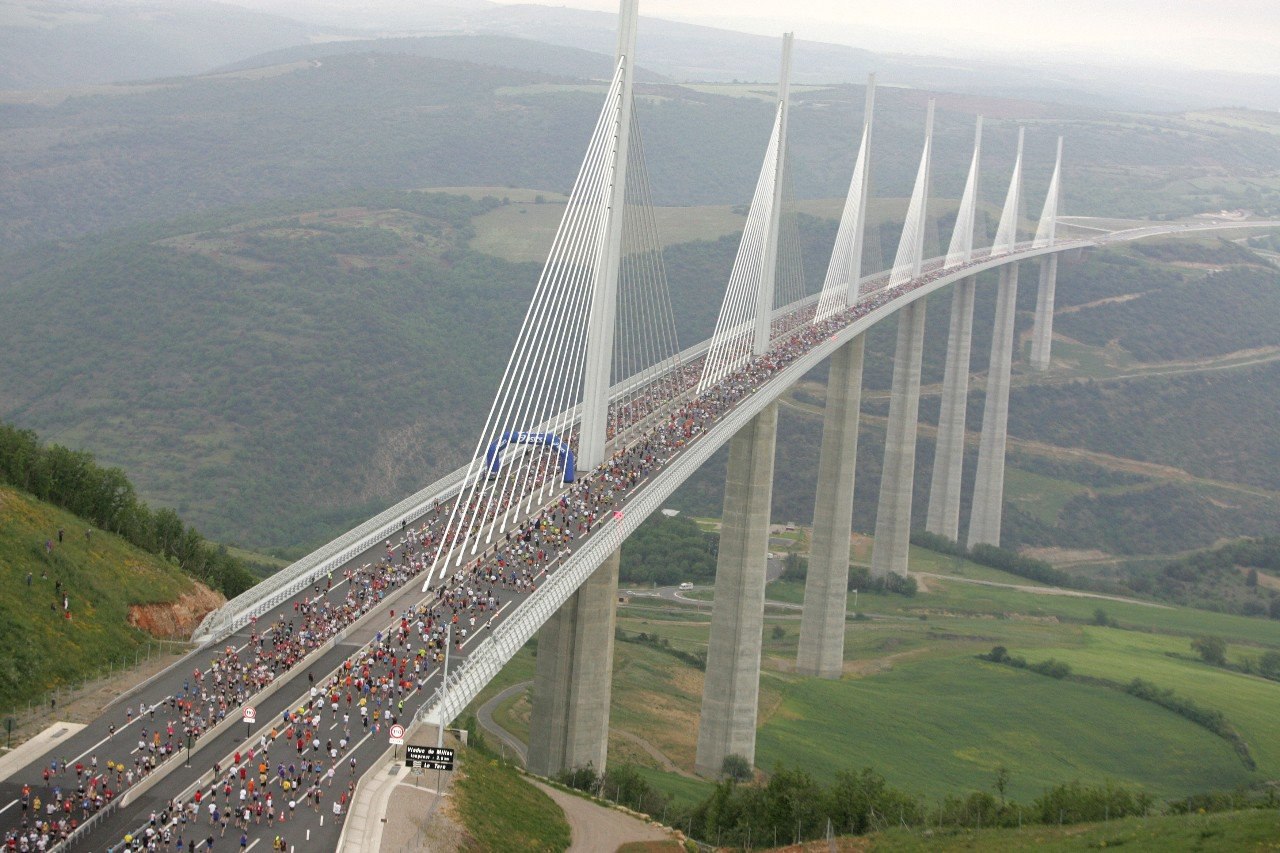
(599, 416)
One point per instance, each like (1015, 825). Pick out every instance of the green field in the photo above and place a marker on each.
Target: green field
(919, 707)
(941, 726)
(1227, 832)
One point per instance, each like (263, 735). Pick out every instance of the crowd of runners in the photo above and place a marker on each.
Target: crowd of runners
(295, 764)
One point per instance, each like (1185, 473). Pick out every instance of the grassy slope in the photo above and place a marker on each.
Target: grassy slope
(502, 811)
(39, 649)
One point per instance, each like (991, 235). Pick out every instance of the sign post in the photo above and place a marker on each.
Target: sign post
(250, 714)
(397, 739)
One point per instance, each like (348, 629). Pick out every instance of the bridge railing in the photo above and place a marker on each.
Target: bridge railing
(289, 581)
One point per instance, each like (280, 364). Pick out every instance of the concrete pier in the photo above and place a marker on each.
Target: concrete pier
(569, 726)
(988, 486)
(893, 513)
(732, 685)
(1042, 335)
(821, 651)
(948, 460)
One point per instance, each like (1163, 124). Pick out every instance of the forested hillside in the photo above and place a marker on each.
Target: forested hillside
(104, 498)
(299, 370)
(89, 163)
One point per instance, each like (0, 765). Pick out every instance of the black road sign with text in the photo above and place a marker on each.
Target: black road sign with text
(428, 757)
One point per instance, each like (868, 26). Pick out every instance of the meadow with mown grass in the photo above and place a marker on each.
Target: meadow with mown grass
(919, 706)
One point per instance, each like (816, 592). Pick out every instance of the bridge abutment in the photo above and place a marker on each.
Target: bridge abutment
(821, 650)
(948, 460)
(569, 726)
(893, 512)
(988, 486)
(731, 689)
(1042, 335)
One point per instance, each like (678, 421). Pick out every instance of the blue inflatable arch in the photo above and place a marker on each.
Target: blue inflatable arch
(493, 456)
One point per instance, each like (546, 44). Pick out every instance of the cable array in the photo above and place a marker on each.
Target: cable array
(790, 283)
(732, 341)
(961, 248)
(840, 287)
(1007, 234)
(1049, 215)
(645, 345)
(523, 447)
(906, 264)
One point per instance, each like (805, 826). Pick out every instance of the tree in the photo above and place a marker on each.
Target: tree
(1100, 618)
(736, 768)
(1269, 664)
(998, 654)
(1002, 781)
(1212, 650)
(1251, 579)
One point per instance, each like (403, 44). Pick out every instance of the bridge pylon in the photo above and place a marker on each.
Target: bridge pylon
(988, 486)
(943, 516)
(731, 689)
(1042, 334)
(821, 648)
(569, 725)
(572, 688)
(893, 513)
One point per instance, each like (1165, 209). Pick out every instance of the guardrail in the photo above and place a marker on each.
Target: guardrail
(289, 581)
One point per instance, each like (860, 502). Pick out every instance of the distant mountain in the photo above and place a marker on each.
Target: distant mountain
(53, 43)
(128, 155)
(688, 52)
(48, 43)
(520, 54)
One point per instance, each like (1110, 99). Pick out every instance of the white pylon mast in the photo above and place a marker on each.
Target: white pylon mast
(910, 256)
(592, 437)
(1007, 234)
(1046, 231)
(961, 249)
(769, 261)
(860, 231)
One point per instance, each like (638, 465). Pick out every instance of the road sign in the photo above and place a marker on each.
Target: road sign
(250, 713)
(397, 734)
(428, 757)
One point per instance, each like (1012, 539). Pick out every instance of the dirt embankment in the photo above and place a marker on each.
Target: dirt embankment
(176, 619)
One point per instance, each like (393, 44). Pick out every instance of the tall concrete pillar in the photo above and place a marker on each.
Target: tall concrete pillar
(1042, 336)
(988, 486)
(821, 649)
(893, 513)
(731, 689)
(569, 726)
(948, 459)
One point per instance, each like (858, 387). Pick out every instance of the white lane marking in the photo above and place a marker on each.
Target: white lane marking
(11, 805)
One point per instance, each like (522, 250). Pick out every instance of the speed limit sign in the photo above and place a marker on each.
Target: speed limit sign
(397, 734)
(250, 713)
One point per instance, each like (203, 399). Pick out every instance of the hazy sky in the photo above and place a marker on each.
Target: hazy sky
(1242, 35)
